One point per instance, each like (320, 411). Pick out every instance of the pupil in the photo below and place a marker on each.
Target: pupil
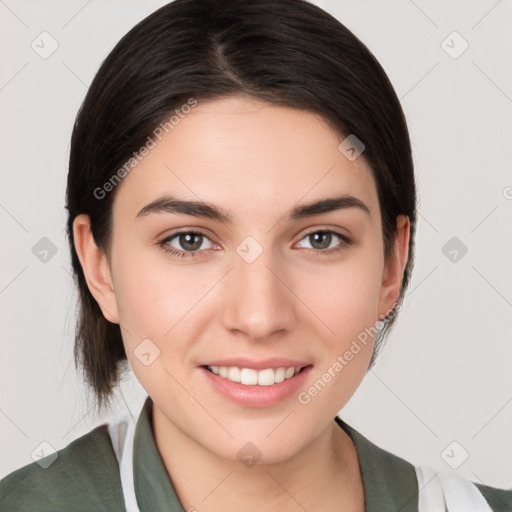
(191, 241)
(320, 238)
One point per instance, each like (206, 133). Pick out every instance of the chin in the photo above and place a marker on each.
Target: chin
(259, 449)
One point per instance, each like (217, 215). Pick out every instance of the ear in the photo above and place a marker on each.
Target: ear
(394, 267)
(96, 268)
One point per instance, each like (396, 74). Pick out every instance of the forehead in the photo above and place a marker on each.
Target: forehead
(249, 156)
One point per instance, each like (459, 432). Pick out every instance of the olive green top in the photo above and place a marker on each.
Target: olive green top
(85, 477)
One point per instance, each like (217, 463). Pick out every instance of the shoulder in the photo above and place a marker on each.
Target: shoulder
(500, 500)
(391, 483)
(83, 476)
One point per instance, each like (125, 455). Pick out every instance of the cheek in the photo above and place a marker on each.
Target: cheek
(154, 296)
(157, 303)
(349, 308)
(345, 296)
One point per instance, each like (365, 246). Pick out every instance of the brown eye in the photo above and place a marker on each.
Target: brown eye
(186, 243)
(325, 241)
(190, 241)
(320, 239)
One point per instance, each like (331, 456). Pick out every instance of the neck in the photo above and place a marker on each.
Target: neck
(324, 475)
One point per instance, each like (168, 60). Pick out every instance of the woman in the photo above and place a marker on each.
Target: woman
(242, 236)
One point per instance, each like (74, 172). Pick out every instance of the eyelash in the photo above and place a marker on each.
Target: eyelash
(345, 242)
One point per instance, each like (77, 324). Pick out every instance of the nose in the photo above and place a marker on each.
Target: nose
(259, 302)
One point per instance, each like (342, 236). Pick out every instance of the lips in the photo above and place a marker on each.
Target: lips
(255, 383)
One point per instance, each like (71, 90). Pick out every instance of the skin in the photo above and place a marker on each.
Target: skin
(257, 161)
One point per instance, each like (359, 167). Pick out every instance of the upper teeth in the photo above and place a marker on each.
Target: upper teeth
(251, 377)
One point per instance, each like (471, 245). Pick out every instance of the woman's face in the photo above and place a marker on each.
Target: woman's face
(268, 281)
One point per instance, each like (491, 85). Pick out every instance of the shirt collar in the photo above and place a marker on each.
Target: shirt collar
(390, 483)
(153, 487)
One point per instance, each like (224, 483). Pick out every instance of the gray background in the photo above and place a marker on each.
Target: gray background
(445, 375)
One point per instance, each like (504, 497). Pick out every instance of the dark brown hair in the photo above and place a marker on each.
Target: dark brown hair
(286, 52)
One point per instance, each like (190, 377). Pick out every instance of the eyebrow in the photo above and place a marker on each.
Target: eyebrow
(169, 204)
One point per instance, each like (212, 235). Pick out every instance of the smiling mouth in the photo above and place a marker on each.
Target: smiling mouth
(251, 377)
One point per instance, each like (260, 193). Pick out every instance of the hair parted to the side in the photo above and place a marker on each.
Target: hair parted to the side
(286, 52)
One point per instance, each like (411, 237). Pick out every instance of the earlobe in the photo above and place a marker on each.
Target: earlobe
(95, 268)
(394, 267)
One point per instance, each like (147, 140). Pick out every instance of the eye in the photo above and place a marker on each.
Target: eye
(186, 243)
(326, 241)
